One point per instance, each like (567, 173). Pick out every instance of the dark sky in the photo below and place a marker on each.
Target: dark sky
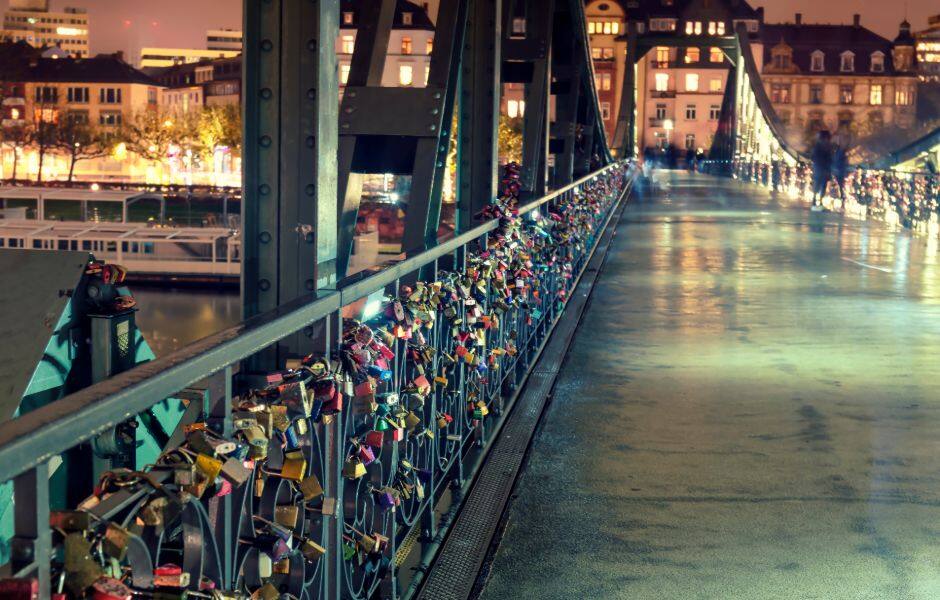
(129, 24)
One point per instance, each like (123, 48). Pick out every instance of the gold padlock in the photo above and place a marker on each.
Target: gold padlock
(310, 487)
(312, 550)
(353, 469)
(286, 515)
(80, 568)
(294, 468)
(115, 541)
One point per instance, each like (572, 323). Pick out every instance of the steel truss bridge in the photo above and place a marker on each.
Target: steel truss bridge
(214, 469)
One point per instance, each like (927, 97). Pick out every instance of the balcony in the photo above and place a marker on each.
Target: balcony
(662, 93)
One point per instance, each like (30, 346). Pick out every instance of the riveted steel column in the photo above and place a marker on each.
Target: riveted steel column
(480, 86)
(567, 87)
(625, 132)
(288, 212)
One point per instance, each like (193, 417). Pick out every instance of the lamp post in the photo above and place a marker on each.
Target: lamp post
(668, 126)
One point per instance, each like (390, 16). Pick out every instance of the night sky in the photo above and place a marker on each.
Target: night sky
(129, 24)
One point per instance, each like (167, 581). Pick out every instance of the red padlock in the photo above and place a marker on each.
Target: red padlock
(108, 588)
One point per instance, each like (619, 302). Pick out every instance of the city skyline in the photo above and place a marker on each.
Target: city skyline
(117, 25)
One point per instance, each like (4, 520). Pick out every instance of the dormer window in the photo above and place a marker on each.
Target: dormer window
(878, 62)
(817, 62)
(348, 18)
(406, 18)
(847, 64)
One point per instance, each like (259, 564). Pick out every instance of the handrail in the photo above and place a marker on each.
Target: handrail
(81, 416)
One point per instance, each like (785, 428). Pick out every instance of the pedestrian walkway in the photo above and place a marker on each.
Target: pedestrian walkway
(750, 409)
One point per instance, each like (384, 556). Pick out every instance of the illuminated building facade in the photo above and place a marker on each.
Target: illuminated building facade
(224, 39)
(31, 21)
(928, 50)
(151, 57)
(844, 78)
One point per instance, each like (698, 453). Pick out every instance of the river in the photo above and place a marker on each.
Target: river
(170, 319)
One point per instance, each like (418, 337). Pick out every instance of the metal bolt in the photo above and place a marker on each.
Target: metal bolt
(264, 285)
(345, 125)
(309, 238)
(311, 141)
(310, 189)
(265, 141)
(312, 45)
(264, 237)
(436, 95)
(266, 93)
(264, 189)
(432, 127)
(308, 331)
(311, 94)
(266, 45)
(434, 111)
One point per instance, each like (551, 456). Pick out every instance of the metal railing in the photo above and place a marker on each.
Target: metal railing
(320, 530)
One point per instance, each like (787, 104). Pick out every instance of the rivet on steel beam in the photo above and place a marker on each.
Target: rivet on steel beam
(436, 95)
(312, 94)
(266, 45)
(266, 93)
(432, 127)
(264, 237)
(434, 111)
(264, 189)
(265, 141)
(310, 189)
(309, 238)
(264, 285)
(308, 331)
(312, 45)
(311, 141)
(310, 284)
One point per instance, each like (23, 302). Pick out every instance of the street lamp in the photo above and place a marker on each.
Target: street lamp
(668, 126)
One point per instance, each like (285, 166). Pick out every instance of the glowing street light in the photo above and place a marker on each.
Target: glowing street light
(668, 125)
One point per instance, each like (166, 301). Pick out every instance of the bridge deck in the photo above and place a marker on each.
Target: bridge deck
(749, 410)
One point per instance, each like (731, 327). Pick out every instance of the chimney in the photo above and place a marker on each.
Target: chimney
(799, 18)
(119, 55)
(857, 20)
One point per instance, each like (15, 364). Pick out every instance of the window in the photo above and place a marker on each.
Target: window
(846, 94)
(689, 27)
(592, 27)
(108, 117)
(712, 28)
(698, 28)
(47, 95)
(714, 112)
(429, 46)
(817, 61)
(847, 64)
(875, 96)
(405, 74)
(903, 97)
(690, 112)
(691, 82)
(605, 111)
(515, 108)
(692, 55)
(518, 26)
(427, 73)
(662, 82)
(781, 61)
(349, 44)
(721, 28)
(77, 116)
(714, 85)
(348, 18)
(662, 24)
(407, 19)
(78, 95)
(876, 119)
(595, 53)
(662, 57)
(343, 74)
(109, 96)
(660, 112)
(780, 93)
(815, 94)
(602, 81)
(689, 141)
(878, 62)
(607, 53)
(715, 55)
(845, 119)
(406, 45)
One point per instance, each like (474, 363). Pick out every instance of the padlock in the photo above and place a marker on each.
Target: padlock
(294, 467)
(366, 455)
(398, 434)
(256, 436)
(281, 567)
(235, 472)
(208, 467)
(286, 515)
(294, 397)
(20, 588)
(80, 568)
(108, 588)
(170, 576)
(311, 550)
(374, 439)
(412, 421)
(368, 544)
(353, 468)
(310, 487)
(115, 541)
(279, 418)
(266, 592)
(70, 520)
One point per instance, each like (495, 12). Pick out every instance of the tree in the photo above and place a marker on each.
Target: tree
(149, 134)
(79, 140)
(16, 137)
(219, 126)
(510, 138)
(43, 132)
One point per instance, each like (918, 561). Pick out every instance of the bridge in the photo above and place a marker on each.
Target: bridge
(600, 384)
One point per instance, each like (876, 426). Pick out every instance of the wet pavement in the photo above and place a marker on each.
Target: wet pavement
(750, 410)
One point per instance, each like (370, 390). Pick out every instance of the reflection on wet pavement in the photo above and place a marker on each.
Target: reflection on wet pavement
(750, 410)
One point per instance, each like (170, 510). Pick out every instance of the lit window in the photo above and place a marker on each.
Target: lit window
(712, 28)
(691, 82)
(349, 44)
(846, 94)
(592, 27)
(15, 114)
(518, 26)
(405, 74)
(615, 27)
(406, 45)
(429, 46)
(662, 57)
(512, 108)
(903, 97)
(343, 74)
(714, 85)
(607, 53)
(721, 28)
(662, 82)
(689, 28)
(604, 79)
(347, 18)
(427, 74)
(406, 18)
(605, 111)
(595, 53)
(715, 55)
(875, 96)
(692, 55)
(607, 28)
(698, 28)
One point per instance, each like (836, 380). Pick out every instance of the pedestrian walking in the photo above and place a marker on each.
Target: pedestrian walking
(822, 167)
(840, 169)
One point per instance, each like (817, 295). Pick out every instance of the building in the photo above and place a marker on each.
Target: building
(224, 39)
(409, 47)
(189, 86)
(167, 57)
(928, 50)
(843, 78)
(31, 21)
(681, 83)
(606, 23)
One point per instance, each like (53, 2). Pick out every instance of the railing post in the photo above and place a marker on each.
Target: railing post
(31, 546)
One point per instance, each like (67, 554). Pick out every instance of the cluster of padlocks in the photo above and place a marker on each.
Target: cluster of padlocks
(236, 507)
